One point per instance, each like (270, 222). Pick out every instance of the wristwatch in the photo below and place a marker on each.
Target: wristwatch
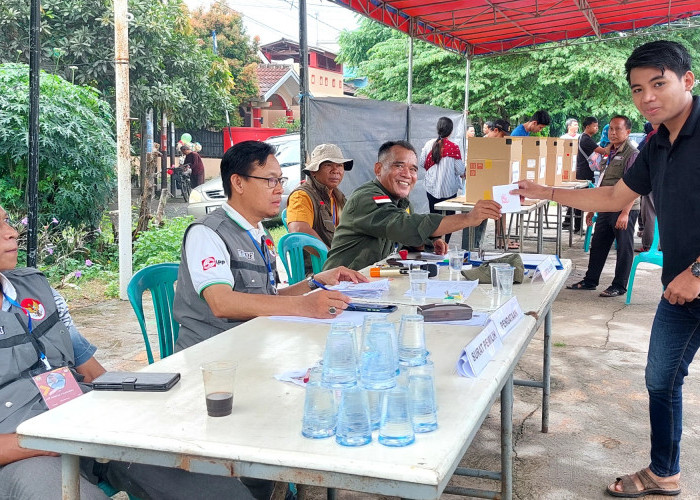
(312, 284)
(695, 269)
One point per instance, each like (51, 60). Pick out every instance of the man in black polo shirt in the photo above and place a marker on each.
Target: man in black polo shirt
(661, 82)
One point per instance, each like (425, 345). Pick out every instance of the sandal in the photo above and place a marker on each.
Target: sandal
(631, 490)
(513, 245)
(612, 292)
(581, 285)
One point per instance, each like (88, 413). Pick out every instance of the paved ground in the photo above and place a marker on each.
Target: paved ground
(598, 421)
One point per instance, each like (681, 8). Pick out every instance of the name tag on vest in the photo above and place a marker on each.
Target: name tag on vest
(57, 387)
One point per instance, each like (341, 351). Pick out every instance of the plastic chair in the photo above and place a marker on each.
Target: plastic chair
(589, 234)
(653, 256)
(291, 251)
(284, 219)
(159, 279)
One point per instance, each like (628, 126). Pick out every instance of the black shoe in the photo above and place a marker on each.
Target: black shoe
(565, 225)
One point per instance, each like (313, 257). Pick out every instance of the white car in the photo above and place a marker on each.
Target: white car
(210, 195)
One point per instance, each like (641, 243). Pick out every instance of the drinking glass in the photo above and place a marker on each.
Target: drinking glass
(339, 362)
(412, 350)
(353, 427)
(419, 284)
(494, 276)
(421, 388)
(219, 378)
(378, 361)
(396, 426)
(456, 260)
(320, 413)
(505, 280)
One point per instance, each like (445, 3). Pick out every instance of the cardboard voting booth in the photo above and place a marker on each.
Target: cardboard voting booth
(534, 158)
(555, 162)
(570, 152)
(491, 162)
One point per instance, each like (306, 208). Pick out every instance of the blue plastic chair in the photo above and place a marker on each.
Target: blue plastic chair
(284, 219)
(653, 256)
(159, 279)
(291, 251)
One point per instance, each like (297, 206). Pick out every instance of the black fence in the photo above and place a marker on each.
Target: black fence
(212, 142)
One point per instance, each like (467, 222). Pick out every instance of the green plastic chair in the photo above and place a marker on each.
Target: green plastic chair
(159, 279)
(589, 234)
(653, 256)
(291, 251)
(284, 219)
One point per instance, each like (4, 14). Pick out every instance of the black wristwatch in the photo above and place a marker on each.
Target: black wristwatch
(311, 282)
(695, 269)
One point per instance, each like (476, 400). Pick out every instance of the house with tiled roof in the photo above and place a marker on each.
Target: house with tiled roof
(278, 78)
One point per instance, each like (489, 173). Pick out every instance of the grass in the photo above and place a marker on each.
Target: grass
(559, 344)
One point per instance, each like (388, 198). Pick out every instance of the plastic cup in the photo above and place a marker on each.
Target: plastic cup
(494, 276)
(412, 350)
(456, 260)
(505, 280)
(396, 425)
(367, 323)
(421, 388)
(339, 362)
(219, 379)
(378, 360)
(419, 284)
(353, 427)
(375, 399)
(320, 411)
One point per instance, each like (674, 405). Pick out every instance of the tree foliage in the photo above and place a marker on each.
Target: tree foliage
(568, 81)
(76, 141)
(169, 69)
(233, 44)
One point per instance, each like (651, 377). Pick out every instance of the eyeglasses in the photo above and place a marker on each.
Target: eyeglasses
(271, 181)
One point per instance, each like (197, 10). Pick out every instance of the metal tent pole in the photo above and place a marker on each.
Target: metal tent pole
(304, 82)
(121, 77)
(409, 96)
(33, 177)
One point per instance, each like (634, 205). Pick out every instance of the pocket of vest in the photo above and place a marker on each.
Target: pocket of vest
(328, 225)
(249, 279)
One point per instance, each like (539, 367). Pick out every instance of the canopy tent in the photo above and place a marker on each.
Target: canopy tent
(481, 27)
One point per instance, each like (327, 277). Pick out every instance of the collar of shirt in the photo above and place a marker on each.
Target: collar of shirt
(257, 232)
(688, 127)
(9, 290)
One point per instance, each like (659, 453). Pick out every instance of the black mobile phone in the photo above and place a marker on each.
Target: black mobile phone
(374, 308)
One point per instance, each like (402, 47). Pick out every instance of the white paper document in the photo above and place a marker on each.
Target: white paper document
(432, 256)
(438, 289)
(509, 202)
(354, 317)
(369, 290)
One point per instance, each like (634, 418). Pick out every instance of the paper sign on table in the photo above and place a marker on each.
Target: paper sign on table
(545, 269)
(479, 352)
(507, 316)
(509, 202)
(438, 289)
(57, 387)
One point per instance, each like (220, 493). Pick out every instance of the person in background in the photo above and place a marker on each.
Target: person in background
(486, 128)
(537, 122)
(500, 128)
(195, 162)
(314, 207)
(571, 129)
(379, 215)
(647, 212)
(444, 167)
(471, 132)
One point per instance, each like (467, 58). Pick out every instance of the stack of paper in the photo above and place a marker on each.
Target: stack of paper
(438, 289)
(369, 290)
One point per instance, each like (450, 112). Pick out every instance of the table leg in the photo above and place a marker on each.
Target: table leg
(559, 229)
(540, 237)
(546, 369)
(331, 493)
(70, 470)
(521, 233)
(507, 439)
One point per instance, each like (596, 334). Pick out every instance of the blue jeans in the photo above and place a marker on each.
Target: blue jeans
(675, 338)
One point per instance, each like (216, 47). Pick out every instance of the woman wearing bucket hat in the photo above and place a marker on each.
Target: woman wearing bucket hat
(314, 207)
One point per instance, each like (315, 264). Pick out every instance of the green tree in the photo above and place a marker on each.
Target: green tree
(234, 45)
(568, 81)
(76, 141)
(169, 69)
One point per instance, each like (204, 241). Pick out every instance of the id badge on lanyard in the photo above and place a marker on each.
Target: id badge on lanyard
(267, 258)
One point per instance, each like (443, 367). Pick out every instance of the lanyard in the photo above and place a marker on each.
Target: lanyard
(265, 256)
(42, 356)
(335, 221)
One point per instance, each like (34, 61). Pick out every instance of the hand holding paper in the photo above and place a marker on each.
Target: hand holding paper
(509, 202)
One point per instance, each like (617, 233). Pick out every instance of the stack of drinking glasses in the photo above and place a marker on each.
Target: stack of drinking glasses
(381, 381)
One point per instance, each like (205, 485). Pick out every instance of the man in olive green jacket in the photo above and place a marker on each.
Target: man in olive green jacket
(378, 214)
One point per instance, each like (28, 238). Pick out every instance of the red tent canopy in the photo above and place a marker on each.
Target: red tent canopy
(473, 27)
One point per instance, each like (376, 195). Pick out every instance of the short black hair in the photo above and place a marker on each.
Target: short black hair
(489, 124)
(628, 122)
(241, 159)
(589, 120)
(660, 54)
(541, 117)
(384, 148)
(501, 125)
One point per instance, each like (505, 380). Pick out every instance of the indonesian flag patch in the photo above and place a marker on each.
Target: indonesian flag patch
(379, 200)
(34, 308)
